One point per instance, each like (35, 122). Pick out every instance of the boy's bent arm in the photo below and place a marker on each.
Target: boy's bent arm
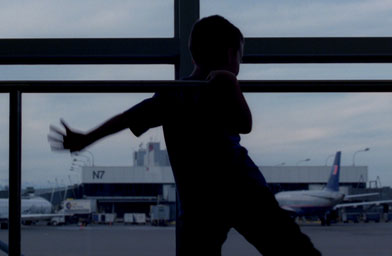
(229, 102)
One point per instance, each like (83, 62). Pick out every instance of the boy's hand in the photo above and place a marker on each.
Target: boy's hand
(70, 140)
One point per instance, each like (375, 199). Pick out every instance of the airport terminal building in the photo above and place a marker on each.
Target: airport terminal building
(150, 181)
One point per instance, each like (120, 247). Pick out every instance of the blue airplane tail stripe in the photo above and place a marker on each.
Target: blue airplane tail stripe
(333, 182)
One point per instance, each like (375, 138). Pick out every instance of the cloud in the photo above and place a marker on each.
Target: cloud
(315, 71)
(290, 127)
(4, 116)
(81, 111)
(305, 18)
(87, 72)
(305, 117)
(154, 18)
(287, 127)
(90, 18)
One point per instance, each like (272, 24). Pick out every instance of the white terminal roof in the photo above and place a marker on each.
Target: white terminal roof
(273, 174)
(313, 174)
(135, 174)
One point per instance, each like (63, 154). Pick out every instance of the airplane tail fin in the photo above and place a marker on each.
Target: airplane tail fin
(333, 182)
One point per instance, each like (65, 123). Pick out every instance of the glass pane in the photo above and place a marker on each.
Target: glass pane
(86, 19)
(4, 130)
(305, 18)
(294, 139)
(57, 177)
(86, 72)
(315, 71)
(4, 167)
(291, 127)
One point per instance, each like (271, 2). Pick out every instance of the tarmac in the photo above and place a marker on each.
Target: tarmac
(363, 239)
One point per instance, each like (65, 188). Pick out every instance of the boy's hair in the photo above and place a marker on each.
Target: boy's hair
(210, 39)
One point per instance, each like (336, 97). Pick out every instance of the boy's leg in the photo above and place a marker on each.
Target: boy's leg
(269, 228)
(200, 234)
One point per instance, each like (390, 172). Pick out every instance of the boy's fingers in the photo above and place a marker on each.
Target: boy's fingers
(57, 147)
(56, 130)
(65, 125)
(54, 139)
(56, 143)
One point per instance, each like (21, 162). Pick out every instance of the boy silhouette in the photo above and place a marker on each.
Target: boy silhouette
(219, 186)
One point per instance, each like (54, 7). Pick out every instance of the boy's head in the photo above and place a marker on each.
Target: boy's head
(213, 43)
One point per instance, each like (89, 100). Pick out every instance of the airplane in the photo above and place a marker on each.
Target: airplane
(32, 209)
(321, 202)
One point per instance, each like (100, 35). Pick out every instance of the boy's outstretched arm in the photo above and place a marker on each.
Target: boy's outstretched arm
(73, 140)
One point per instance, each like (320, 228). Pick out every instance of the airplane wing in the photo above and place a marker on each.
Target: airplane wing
(289, 209)
(39, 216)
(362, 203)
(348, 197)
(322, 197)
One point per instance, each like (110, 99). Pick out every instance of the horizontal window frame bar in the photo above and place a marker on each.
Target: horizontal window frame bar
(89, 51)
(265, 86)
(318, 50)
(166, 50)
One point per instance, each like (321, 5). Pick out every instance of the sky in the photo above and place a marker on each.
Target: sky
(287, 127)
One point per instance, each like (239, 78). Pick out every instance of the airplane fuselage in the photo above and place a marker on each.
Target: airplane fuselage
(308, 202)
(36, 205)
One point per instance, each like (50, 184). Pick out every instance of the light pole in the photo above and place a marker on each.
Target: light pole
(74, 165)
(85, 157)
(75, 160)
(91, 154)
(73, 168)
(362, 150)
(326, 161)
(304, 160)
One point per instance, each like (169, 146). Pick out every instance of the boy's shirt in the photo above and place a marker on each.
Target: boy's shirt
(206, 160)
